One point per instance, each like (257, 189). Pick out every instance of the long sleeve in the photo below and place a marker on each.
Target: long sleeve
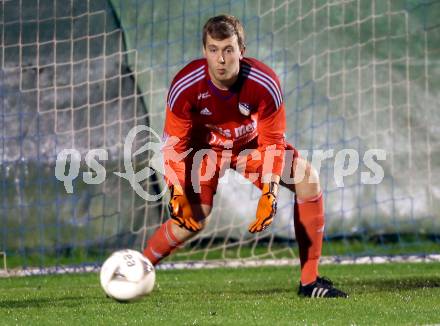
(271, 138)
(175, 149)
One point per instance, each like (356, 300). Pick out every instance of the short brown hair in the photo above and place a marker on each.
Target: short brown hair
(224, 26)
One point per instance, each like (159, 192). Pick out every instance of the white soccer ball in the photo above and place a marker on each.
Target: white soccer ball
(127, 275)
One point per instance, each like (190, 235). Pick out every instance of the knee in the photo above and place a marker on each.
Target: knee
(310, 185)
(313, 179)
(202, 214)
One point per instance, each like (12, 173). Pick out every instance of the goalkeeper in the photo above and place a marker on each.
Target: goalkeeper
(227, 111)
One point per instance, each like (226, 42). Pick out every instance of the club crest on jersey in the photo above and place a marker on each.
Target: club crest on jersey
(244, 108)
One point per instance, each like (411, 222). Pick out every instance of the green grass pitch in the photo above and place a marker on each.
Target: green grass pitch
(388, 294)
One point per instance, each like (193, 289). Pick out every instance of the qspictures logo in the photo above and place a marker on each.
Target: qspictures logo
(346, 162)
(99, 173)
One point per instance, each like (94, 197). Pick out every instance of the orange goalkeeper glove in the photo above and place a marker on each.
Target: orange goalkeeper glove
(267, 208)
(180, 210)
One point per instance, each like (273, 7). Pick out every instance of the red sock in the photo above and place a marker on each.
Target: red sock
(309, 231)
(161, 243)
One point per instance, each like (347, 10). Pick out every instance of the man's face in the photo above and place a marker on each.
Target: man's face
(223, 60)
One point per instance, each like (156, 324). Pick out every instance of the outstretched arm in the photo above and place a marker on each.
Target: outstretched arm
(176, 133)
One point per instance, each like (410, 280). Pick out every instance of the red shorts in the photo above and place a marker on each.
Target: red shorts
(204, 168)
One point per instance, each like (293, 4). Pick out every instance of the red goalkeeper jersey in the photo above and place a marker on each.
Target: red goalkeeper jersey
(203, 116)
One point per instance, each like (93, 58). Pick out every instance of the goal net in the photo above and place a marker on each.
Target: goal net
(360, 82)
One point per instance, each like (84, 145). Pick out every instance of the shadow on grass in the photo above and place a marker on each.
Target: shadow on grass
(397, 284)
(367, 286)
(69, 302)
(267, 292)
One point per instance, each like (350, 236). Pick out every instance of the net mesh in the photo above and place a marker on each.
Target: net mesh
(356, 75)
